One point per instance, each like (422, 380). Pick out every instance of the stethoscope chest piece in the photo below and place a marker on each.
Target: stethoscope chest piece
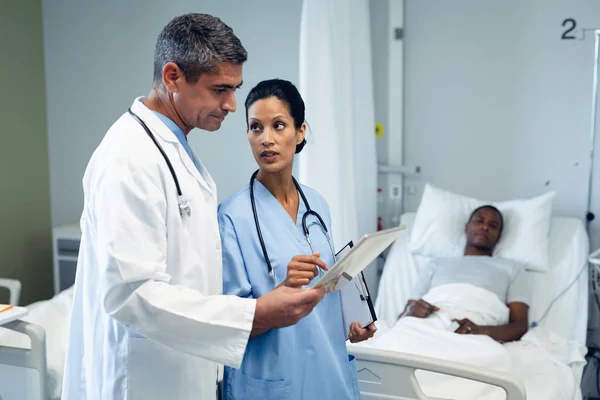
(184, 208)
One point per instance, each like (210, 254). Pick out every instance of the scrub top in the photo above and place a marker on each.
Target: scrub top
(306, 361)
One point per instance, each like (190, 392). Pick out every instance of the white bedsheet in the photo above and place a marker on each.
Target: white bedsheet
(542, 359)
(547, 364)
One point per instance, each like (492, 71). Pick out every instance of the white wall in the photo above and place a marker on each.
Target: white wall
(99, 57)
(496, 104)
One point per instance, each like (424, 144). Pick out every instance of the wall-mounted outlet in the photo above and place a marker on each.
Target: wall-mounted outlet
(395, 192)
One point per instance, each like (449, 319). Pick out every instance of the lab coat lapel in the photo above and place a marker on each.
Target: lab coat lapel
(153, 122)
(201, 174)
(163, 132)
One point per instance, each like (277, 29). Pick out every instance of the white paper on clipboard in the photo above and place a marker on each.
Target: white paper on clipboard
(358, 258)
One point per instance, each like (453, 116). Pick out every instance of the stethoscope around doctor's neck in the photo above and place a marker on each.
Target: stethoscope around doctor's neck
(184, 206)
(306, 214)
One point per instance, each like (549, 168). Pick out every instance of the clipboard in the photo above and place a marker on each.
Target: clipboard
(358, 258)
(356, 302)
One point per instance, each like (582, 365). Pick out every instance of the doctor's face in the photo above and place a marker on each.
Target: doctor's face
(272, 134)
(205, 103)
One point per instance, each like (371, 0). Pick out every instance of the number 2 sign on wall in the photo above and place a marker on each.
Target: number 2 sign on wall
(570, 24)
(571, 31)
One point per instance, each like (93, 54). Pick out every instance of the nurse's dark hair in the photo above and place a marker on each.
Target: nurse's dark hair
(198, 44)
(489, 207)
(284, 91)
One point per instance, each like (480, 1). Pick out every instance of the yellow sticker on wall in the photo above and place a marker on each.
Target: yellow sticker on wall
(378, 130)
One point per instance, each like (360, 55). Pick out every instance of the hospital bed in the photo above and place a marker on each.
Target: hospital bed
(32, 349)
(22, 368)
(559, 305)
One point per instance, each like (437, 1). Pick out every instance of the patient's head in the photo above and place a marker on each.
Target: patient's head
(483, 230)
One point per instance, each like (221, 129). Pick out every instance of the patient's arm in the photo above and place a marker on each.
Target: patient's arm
(514, 330)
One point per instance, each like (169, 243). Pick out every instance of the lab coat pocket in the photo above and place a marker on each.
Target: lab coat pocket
(354, 376)
(242, 386)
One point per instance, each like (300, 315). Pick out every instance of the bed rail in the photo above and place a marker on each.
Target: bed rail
(29, 365)
(14, 288)
(391, 375)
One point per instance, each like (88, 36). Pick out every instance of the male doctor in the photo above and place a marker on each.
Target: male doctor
(149, 320)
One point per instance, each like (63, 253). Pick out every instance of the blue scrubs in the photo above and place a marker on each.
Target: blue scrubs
(306, 361)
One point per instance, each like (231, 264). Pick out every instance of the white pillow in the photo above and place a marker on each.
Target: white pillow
(439, 229)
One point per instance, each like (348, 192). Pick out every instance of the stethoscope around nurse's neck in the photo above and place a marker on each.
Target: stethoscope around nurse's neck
(306, 214)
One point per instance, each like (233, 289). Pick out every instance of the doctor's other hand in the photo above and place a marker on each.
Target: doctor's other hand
(302, 269)
(419, 308)
(358, 334)
(284, 306)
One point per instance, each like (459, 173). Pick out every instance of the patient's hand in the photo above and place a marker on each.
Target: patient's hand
(467, 327)
(419, 308)
(358, 334)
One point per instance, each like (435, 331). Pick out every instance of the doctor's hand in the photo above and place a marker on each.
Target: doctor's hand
(302, 269)
(358, 334)
(284, 306)
(419, 308)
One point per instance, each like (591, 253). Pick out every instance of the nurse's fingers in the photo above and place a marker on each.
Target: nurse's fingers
(297, 281)
(319, 262)
(307, 263)
(311, 260)
(301, 265)
(358, 334)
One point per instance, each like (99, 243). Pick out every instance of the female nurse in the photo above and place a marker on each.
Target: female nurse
(264, 245)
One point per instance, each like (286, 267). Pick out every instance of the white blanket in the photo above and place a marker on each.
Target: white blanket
(541, 359)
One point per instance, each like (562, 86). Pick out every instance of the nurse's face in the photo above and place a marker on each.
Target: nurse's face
(205, 103)
(272, 134)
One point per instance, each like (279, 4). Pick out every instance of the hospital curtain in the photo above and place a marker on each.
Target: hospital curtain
(336, 83)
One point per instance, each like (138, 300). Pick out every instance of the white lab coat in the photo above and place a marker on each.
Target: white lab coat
(148, 320)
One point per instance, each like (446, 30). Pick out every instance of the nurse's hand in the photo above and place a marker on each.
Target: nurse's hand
(284, 306)
(358, 334)
(302, 269)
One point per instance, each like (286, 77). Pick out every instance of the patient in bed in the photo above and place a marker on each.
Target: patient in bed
(477, 268)
(487, 298)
